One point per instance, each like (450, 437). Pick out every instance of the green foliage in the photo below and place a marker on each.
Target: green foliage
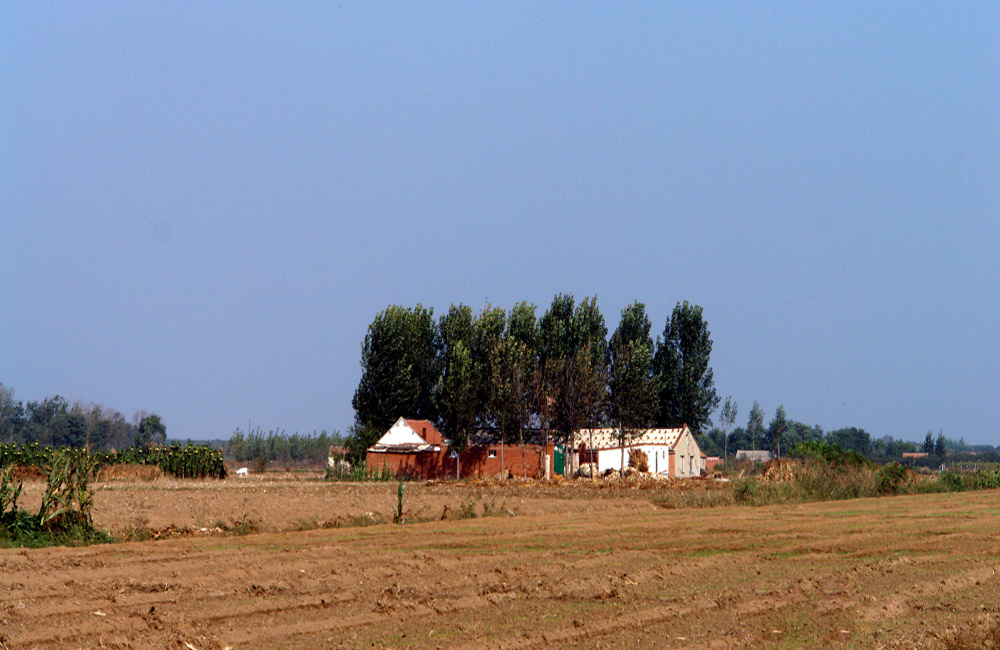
(55, 422)
(891, 478)
(755, 426)
(458, 394)
(685, 379)
(397, 513)
(632, 398)
(939, 448)
(400, 365)
(67, 495)
(824, 452)
(10, 490)
(954, 480)
(513, 363)
(573, 365)
(928, 446)
(777, 430)
(278, 446)
(712, 443)
(183, 462)
(64, 517)
(727, 419)
(746, 490)
(151, 431)
(852, 439)
(845, 477)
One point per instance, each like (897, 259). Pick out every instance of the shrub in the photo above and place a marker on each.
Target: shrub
(259, 465)
(951, 480)
(891, 478)
(745, 490)
(832, 454)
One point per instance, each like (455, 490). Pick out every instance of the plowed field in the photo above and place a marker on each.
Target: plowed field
(575, 568)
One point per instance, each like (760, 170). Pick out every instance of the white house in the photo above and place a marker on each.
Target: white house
(671, 452)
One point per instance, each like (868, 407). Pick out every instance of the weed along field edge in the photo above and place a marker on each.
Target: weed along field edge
(571, 568)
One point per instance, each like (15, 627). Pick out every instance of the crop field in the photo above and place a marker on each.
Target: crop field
(481, 565)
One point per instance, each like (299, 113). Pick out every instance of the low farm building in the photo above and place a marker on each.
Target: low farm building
(670, 452)
(753, 456)
(416, 449)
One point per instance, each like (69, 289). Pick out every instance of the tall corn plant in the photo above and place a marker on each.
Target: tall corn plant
(9, 490)
(67, 492)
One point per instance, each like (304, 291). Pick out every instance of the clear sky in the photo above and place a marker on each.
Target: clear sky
(203, 205)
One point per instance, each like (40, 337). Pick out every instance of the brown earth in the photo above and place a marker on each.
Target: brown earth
(578, 566)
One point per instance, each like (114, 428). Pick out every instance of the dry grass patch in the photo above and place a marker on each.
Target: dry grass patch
(129, 472)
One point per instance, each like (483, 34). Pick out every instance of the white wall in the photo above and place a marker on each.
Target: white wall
(658, 456)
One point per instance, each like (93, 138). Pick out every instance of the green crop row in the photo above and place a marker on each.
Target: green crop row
(183, 462)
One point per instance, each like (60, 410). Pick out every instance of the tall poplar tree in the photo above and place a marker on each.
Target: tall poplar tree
(755, 425)
(684, 378)
(457, 391)
(573, 362)
(777, 430)
(513, 362)
(728, 418)
(400, 368)
(632, 398)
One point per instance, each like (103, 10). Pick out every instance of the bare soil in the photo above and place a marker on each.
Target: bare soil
(577, 566)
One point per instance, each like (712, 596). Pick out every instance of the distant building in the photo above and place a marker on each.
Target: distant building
(759, 456)
(670, 452)
(415, 448)
(915, 454)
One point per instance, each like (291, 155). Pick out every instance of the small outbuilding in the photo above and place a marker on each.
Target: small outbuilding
(670, 452)
(753, 456)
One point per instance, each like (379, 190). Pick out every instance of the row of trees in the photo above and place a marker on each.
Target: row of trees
(513, 371)
(278, 446)
(54, 421)
(782, 433)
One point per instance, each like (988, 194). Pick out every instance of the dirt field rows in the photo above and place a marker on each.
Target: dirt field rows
(573, 568)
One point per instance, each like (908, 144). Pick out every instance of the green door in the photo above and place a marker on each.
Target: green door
(559, 461)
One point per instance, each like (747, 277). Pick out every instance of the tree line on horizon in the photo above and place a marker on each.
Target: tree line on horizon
(55, 422)
(785, 433)
(512, 372)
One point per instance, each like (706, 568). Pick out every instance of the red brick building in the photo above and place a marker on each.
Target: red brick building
(416, 449)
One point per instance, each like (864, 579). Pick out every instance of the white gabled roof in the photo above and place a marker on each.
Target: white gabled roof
(607, 438)
(402, 437)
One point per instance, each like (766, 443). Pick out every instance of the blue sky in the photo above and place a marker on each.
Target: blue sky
(203, 207)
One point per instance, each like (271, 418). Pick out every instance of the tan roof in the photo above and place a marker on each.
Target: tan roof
(607, 438)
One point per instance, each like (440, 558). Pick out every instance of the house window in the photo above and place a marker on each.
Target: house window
(492, 453)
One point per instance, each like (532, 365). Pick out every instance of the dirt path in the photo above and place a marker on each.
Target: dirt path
(880, 573)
